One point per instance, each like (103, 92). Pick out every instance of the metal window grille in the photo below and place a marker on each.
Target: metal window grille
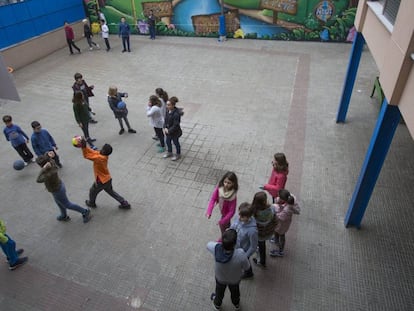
(391, 10)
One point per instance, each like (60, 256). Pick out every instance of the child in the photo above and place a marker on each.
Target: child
(286, 206)
(87, 32)
(103, 179)
(80, 85)
(105, 34)
(124, 31)
(278, 177)
(172, 129)
(43, 142)
(151, 24)
(9, 248)
(225, 195)
(70, 36)
(163, 97)
(49, 175)
(81, 112)
(247, 237)
(18, 139)
(156, 120)
(114, 97)
(266, 221)
(229, 266)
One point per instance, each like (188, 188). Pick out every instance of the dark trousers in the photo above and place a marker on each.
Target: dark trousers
(24, 152)
(262, 252)
(152, 32)
(107, 187)
(70, 44)
(160, 134)
(234, 292)
(125, 43)
(280, 240)
(175, 140)
(126, 122)
(90, 42)
(108, 47)
(85, 130)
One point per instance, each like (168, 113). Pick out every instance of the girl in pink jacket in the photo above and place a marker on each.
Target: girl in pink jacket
(225, 196)
(286, 206)
(278, 177)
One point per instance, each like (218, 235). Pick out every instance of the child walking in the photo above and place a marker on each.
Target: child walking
(278, 176)
(230, 262)
(9, 249)
(105, 34)
(247, 237)
(265, 215)
(49, 176)
(286, 206)
(18, 139)
(87, 32)
(225, 196)
(156, 120)
(114, 98)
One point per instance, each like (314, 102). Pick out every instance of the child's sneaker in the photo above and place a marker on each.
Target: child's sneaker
(125, 205)
(19, 262)
(161, 150)
(132, 131)
(121, 131)
(237, 307)
(155, 138)
(19, 252)
(176, 157)
(212, 297)
(167, 155)
(63, 218)
(276, 253)
(90, 204)
(87, 216)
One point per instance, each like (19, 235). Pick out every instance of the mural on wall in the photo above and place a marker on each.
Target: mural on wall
(316, 20)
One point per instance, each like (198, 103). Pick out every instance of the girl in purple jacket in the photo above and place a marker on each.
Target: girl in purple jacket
(286, 206)
(225, 196)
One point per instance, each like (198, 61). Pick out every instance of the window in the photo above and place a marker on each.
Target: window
(391, 9)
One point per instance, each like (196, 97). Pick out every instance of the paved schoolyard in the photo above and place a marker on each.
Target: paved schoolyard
(244, 100)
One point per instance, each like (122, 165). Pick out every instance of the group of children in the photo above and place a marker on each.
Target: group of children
(257, 222)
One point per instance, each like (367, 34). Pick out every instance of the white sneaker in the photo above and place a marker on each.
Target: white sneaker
(176, 157)
(167, 155)
(91, 48)
(98, 47)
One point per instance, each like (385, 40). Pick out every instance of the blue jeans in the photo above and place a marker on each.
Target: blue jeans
(176, 142)
(152, 32)
(63, 202)
(9, 249)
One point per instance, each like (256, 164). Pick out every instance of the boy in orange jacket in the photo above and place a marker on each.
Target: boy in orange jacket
(103, 179)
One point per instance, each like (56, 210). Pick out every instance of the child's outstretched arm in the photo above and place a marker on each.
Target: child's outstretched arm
(213, 201)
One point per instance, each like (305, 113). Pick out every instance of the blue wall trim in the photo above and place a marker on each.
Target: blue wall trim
(351, 73)
(380, 142)
(31, 18)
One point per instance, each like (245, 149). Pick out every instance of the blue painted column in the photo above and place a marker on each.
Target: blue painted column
(381, 139)
(353, 65)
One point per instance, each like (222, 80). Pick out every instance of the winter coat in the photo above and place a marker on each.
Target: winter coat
(277, 181)
(246, 235)
(172, 123)
(284, 213)
(113, 104)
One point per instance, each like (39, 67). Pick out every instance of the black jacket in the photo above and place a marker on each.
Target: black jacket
(172, 123)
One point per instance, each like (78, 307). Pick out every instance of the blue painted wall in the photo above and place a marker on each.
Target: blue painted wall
(31, 18)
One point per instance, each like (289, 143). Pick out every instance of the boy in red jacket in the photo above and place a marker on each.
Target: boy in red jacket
(70, 36)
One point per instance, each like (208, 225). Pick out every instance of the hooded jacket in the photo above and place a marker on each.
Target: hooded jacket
(247, 236)
(229, 266)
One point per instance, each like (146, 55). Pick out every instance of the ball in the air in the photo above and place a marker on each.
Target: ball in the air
(77, 141)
